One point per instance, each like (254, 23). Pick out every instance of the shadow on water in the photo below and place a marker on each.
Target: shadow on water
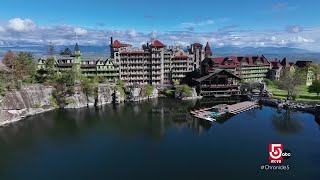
(150, 118)
(286, 124)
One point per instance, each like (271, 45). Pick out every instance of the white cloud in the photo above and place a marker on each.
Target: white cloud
(80, 31)
(2, 29)
(153, 34)
(308, 38)
(132, 33)
(300, 39)
(21, 25)
(294, 29)
(194, 24)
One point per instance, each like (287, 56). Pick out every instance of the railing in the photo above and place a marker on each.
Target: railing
(85, 70)
(254, 67)
(218, 85)
(253, 75)
(253, 72)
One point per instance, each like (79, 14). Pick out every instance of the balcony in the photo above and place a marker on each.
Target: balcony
(178, 75)
(137, 73)
(109, 75)
(253, 72)
(156, 62)
(156, 72)
(253, 76)
(219, 85)
(86, 70)
(156, 67)
(136, 62)
(255, 67)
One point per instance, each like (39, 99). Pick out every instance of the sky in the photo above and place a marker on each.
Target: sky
(268, 23)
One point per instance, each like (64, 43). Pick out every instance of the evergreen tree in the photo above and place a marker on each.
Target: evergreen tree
(89, 87)
(51, 49)
(315, 87)
(50, 69)
(24, 68)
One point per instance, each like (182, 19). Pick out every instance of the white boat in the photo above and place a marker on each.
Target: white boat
(204, 117)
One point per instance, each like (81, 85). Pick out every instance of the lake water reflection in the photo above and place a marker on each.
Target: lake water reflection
(157, 139)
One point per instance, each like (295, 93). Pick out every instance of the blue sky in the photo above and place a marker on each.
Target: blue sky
(291, 23)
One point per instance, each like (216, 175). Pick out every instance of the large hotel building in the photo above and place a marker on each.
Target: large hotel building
(157, 64)
(154, 63)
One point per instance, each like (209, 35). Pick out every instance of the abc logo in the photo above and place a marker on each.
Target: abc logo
(277, 153)
(286, 154)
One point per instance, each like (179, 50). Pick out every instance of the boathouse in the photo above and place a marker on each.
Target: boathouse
(218, 83)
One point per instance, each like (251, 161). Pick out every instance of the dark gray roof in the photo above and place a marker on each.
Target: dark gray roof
(216, 71)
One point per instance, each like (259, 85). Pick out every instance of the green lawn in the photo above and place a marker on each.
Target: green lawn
(304, 95)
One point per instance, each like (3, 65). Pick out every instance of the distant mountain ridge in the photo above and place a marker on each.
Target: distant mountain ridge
(259, 50)
(269, 52)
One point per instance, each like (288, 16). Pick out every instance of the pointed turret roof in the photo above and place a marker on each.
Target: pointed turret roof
(207, 50)
(285, 62)
(117, 44)
(76, 48)
(157, 43)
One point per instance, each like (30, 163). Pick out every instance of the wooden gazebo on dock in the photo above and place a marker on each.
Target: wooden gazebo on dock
(219, 83)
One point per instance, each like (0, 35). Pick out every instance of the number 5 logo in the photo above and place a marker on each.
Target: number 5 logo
(275, 151)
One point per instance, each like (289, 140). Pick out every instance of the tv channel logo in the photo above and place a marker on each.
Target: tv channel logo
(277, 154)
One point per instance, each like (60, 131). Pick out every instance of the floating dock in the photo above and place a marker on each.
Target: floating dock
(241, 107)
(211, 113)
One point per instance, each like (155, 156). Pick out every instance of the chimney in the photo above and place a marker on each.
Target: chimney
(111, 40)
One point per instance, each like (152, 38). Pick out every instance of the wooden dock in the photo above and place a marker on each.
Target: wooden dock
(222, 109)
(241, 107)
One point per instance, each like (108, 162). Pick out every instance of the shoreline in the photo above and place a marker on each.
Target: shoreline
(308, 107)
(271, 102)
(18, 116)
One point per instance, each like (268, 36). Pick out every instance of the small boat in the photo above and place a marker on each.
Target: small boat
(209, 119)
(205, 118)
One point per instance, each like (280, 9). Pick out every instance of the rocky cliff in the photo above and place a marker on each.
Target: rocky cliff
(35, 99)
(79, 99)
(27, 101)
(139, 94)
(187, 96)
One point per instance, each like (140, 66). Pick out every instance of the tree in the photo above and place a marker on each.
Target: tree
(291, 81)
(120, 83)
(176, 83)
(2, 85)
(24, 68)
(50, 69)
(89, 87)
(148, 90)
(315, 87)
(51, 49)
(8, 59)
(316, 69)
(63, 86)
(186, 90)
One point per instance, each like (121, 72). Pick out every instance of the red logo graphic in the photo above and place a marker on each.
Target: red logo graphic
(275, 153)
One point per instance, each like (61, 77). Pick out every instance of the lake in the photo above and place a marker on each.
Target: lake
(158, 139)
